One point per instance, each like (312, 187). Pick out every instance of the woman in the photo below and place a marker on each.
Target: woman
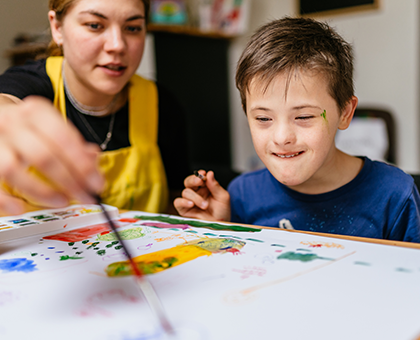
(92, 85)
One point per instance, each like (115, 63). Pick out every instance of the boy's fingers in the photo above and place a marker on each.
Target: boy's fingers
(182, 205)
(217, 191)
(193, 182)
(194, 197)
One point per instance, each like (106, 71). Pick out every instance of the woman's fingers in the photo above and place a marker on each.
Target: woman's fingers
(69, 149)
(33, 133)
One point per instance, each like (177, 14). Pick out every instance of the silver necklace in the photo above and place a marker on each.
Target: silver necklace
(85, 109)
(103, 145)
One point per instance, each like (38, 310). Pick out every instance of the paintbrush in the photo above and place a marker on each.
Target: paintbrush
(144, 284)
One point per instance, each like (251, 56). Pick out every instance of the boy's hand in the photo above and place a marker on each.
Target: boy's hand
(204, 199)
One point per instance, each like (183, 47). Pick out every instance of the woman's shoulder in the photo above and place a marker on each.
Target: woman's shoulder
(28, 79)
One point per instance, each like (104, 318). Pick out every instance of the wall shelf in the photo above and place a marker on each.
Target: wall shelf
(188, 30)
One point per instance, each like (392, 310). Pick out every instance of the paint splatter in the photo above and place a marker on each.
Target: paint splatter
(166, 225)
(292, 256)
(403, 270)
(322, 244)
(101, 252)
(255, 240)
(168, 258)
(81, 233)
(216, 226)
(128, 234)
(18, 265)
(362, 263)
(324, 115)
(67, 257)
(277, 245)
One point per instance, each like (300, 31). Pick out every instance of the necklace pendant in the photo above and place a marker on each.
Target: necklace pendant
(103, 146)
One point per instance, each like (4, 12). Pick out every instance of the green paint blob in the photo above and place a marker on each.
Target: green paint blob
(128, 234)
(101, 252)
(210, 234)
(303, 249)
(403, 270)
(324, 115)
(115, 242)
(34, 254)
(66, 257)
(109, 245)
(124, 268)
(253, 239)
(198, 224)
(71, 244)
(85, 241)
(96, 248)
(118, 247)
(191, 231)
(292, 256)
(278, 245)
(362, 263)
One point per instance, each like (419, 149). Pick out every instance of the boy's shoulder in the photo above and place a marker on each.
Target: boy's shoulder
(386, 174)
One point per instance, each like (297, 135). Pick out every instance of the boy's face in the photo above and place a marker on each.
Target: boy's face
(294, 134)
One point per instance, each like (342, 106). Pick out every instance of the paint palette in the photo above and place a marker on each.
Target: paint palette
(45, 221)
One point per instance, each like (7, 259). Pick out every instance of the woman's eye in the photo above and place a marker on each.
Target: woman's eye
(134, 29)
(94, 26)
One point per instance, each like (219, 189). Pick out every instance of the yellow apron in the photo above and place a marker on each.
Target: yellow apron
(135, 176)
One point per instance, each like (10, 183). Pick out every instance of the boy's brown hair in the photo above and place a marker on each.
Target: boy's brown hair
(290, 45)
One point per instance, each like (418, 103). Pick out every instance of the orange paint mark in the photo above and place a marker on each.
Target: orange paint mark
(65, 225)
(322, 244)
(80, 234)
(128, 220)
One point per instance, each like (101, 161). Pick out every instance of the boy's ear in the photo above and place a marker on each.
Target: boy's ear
(55, 26)
(348, 112)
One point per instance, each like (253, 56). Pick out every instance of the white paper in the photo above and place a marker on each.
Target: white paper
(345, 289)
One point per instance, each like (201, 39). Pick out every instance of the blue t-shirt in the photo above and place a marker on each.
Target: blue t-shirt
(380, 202)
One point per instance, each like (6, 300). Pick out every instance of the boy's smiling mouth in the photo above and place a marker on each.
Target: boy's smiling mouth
(290, 155)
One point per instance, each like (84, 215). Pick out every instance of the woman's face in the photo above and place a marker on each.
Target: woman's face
(103, 42)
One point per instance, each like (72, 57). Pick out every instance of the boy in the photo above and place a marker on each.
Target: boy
(295, 78)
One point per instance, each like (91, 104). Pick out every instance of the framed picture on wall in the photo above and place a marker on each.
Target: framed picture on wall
(330, 7)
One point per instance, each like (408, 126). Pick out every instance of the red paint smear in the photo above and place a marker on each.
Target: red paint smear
(166, 225)
(234, 251)
(315, 246)
(80, 234)
(65, 225)
(129, 220)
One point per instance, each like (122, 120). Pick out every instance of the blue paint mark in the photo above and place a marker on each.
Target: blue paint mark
(60, 251)
(51, 247)
(17, 265)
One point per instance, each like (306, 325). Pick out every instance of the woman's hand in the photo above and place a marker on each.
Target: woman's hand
(34, 134)
(204, 198)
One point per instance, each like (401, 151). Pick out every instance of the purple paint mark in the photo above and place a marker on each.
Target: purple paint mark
(17, 265)
(166, 225)
(60, 251)
(47, 258)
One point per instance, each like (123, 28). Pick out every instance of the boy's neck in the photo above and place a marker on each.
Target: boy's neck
(341, 171)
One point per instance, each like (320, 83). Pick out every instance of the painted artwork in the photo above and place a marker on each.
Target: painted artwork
(215, 281)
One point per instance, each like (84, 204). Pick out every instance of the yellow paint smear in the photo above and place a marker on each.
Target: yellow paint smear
(158, 261)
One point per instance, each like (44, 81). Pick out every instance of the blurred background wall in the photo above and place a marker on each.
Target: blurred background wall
(386, 43)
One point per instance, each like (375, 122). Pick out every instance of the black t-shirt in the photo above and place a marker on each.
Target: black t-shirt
(32, 79)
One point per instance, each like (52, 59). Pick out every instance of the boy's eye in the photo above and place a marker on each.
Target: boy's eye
(304, 117)
(263, 119)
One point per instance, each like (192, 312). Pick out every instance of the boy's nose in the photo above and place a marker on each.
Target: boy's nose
(114, 40)
(284, 134)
